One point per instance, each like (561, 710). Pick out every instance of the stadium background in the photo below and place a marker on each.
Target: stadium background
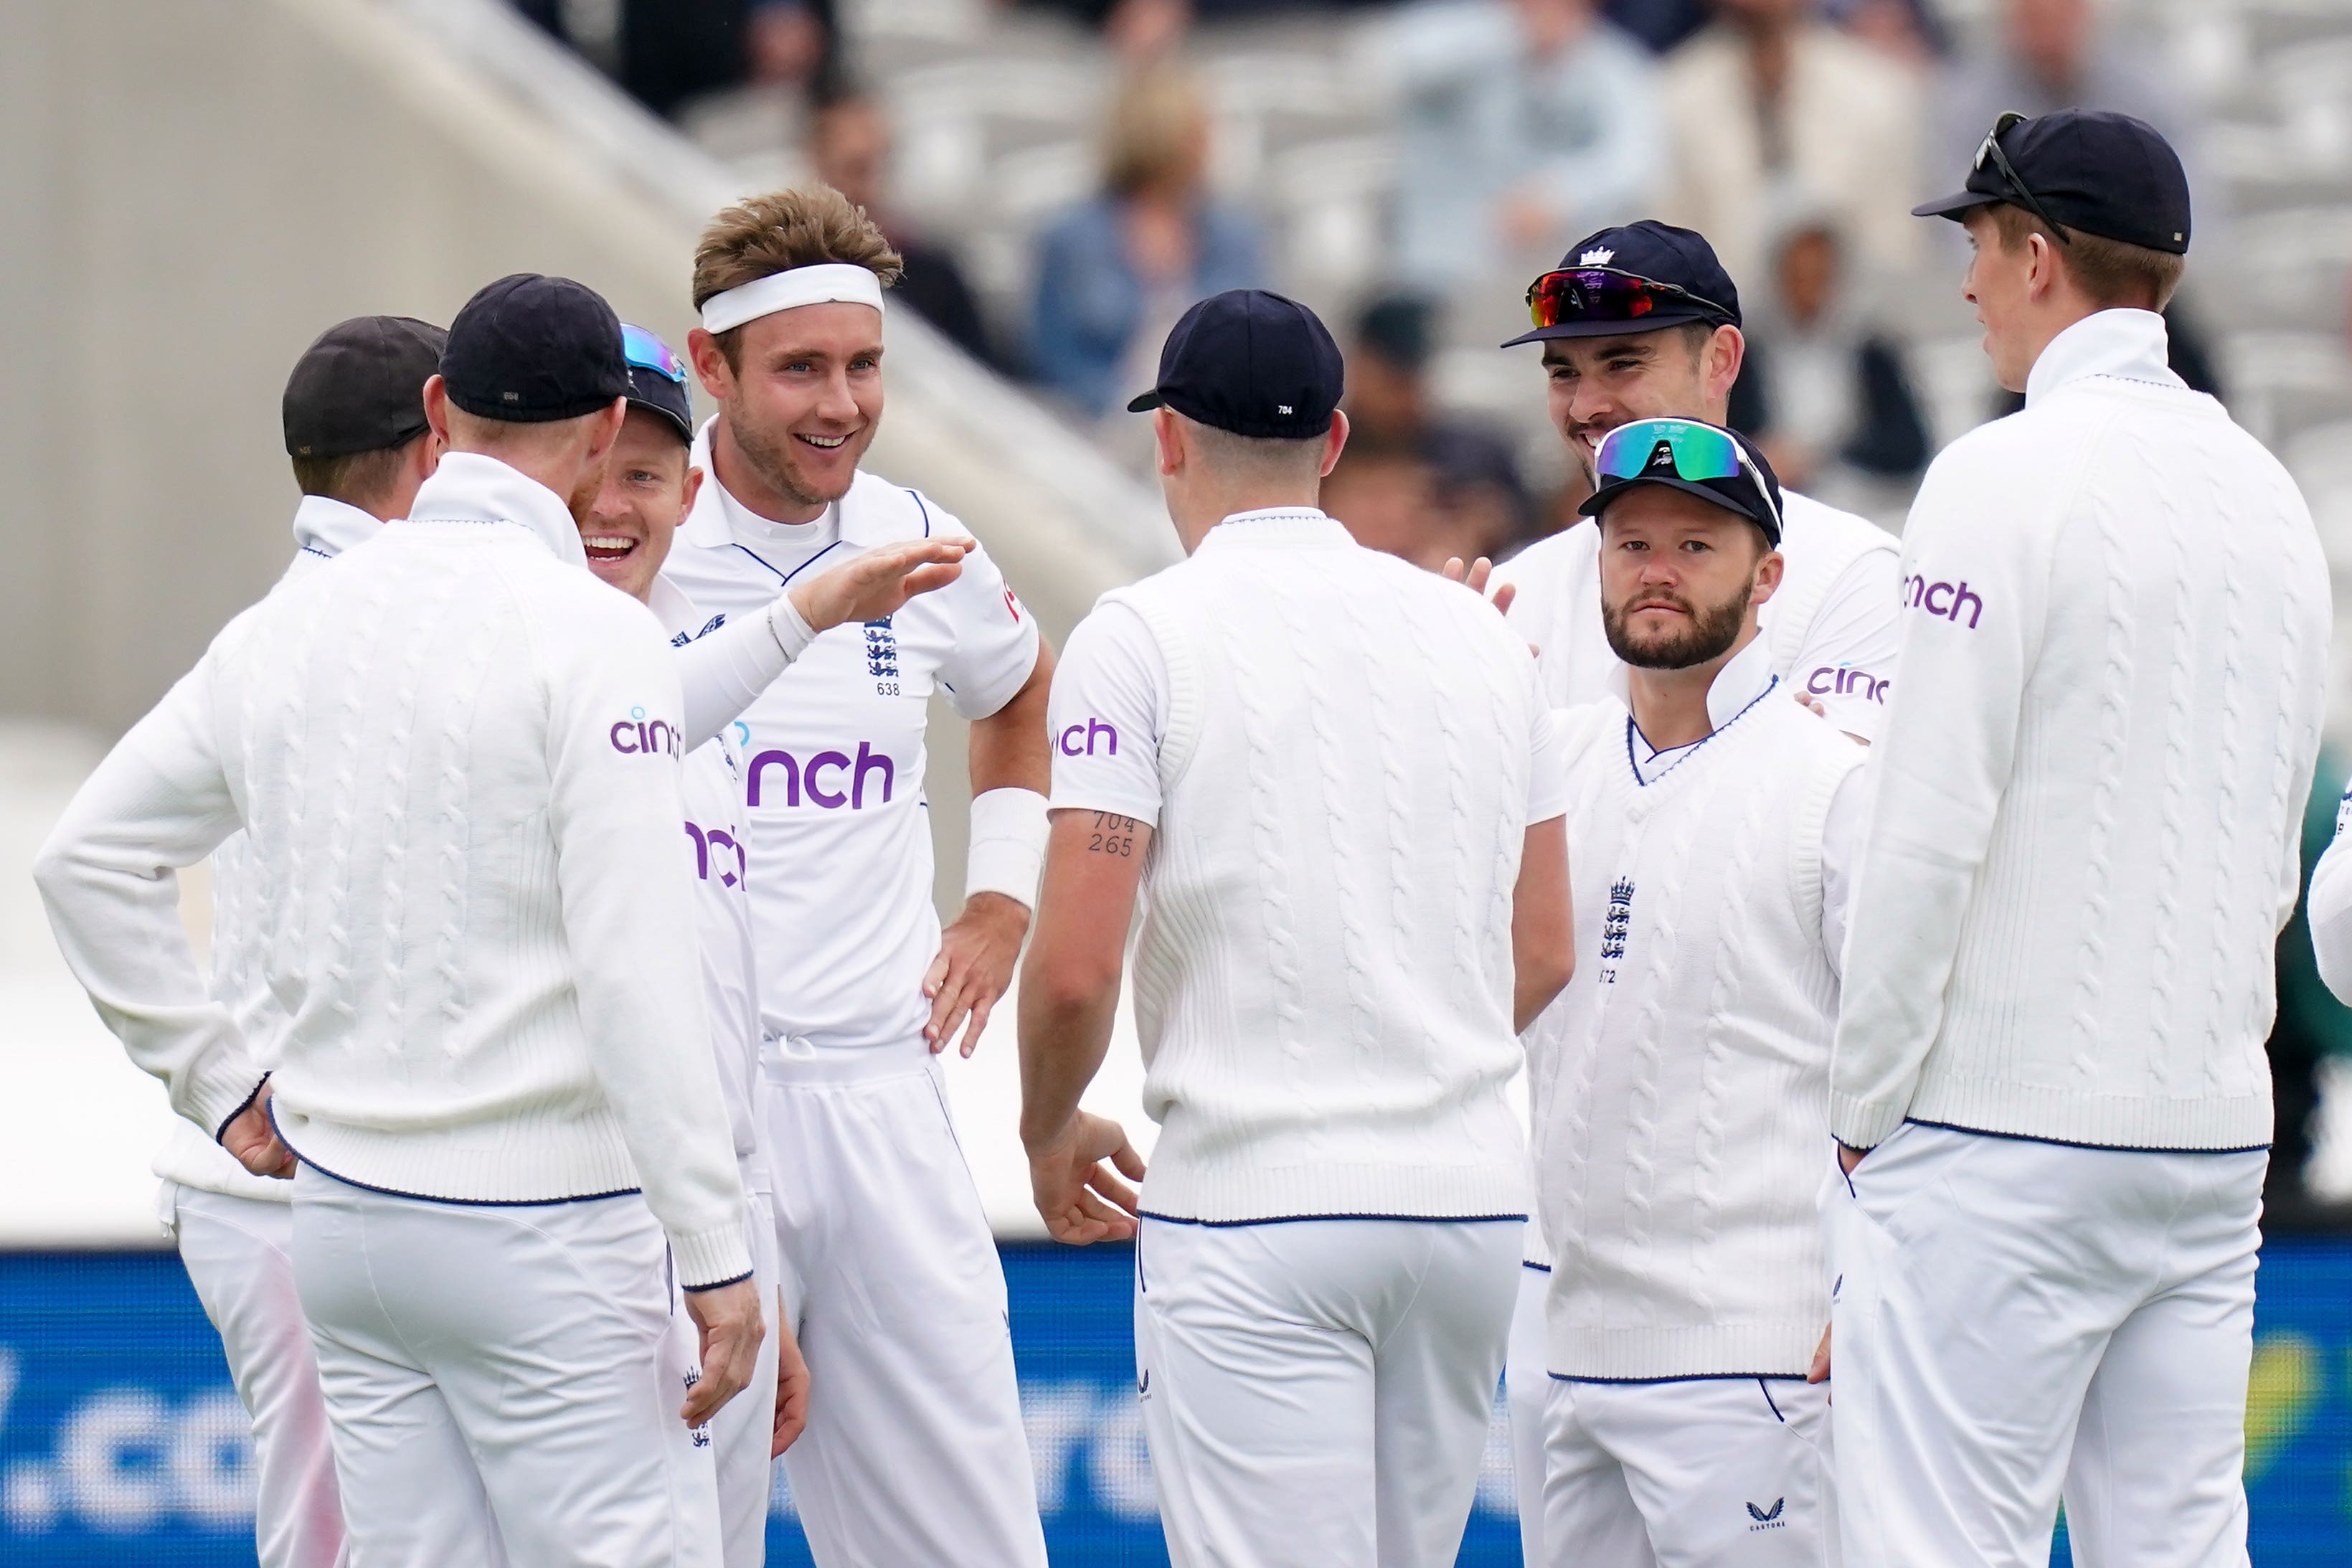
(194, 190)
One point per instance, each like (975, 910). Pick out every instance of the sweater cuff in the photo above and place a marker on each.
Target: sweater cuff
(1864, 1123)
(216, 1095)
(709, 1258)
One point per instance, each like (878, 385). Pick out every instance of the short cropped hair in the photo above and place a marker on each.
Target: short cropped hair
(805, 227)
(356, 478)
(2109, 271)
(1266, 456)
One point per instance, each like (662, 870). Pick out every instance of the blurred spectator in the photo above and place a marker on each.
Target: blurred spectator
(1115, 272)
(1526, 122)
(1414, 482)
(667, 53)
(1141, 34)
(849, 149)
(1769, 97)
(1822, 389)
(1660, 24)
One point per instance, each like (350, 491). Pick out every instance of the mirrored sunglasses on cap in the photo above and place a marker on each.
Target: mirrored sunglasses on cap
(647, 351)
(1693, 451)
(1988, 152)
(1606, 294)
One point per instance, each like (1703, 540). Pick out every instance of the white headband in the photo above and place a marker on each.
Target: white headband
(827, 284)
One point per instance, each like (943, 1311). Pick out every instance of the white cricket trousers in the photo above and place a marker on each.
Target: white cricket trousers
(744, 1430)
(239, 1253)
(504, 1381)
(1527, 1397)
(2018, 1320)
(1317, 1393)
(1689, 1473)
(915, 1451)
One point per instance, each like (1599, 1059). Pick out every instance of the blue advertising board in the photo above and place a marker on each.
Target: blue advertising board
(121, 1443)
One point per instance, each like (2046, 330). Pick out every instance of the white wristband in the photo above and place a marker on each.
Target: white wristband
(791, 628)
(1008, 845)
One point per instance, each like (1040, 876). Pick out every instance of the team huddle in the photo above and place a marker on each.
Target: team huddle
(1881, 934)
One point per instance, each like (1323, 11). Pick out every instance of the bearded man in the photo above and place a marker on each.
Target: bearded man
(1681, 1083)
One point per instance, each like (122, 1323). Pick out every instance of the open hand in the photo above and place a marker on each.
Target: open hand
(878, 582)
(1475, 576)
(792, 1390)
(973, 967)
(1079, 1196)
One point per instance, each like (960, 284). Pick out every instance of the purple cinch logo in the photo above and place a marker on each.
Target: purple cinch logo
(636, 734)
(1943, 600)
(809, 779)
(718, 838)
(1091, 729)
(1844, 680)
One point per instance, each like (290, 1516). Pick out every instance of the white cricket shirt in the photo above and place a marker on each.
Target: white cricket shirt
(1832, 626)
(834, 754)
(1342, 755)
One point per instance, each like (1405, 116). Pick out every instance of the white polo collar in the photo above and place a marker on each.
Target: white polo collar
(708, 527)
(2128, 345)
(324, 526)
(470, 488)
(1278, 526)
(1745, 675)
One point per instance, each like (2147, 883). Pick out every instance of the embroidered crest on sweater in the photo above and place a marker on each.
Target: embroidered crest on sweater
(1614, 924)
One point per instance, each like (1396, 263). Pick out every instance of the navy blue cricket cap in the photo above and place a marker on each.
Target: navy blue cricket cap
(1250, 363)
(657, 379)
(1716, 464)
(2092, 169)
(360, 386)
(529, 349)
(1594, 292)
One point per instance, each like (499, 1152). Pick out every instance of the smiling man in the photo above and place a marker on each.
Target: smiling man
(915, 1451)
(1682, 1080)
(1643, 323)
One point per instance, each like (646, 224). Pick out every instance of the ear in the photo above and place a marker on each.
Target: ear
(1726, 351)
(2041, 277)
(1769, 569)
(710, 366)
(607, 429)
(436, 410)
(693, 489)
(1168, 436)
(1334, 443)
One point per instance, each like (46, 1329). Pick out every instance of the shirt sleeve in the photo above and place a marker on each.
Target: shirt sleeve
(996, 637)
(109, 876)
(1109, 717)
(1842, 846)
(2330, 909)
(1848, 660)
(1968, 651)
(622, 876)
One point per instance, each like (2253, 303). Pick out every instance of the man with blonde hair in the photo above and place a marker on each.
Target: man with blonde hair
(915, 1450)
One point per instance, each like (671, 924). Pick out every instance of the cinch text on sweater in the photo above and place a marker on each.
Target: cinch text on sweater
(1945, 600)
(1091, 729)
(637, 734)
(821, 778)
(1844, 680)
(705, 840)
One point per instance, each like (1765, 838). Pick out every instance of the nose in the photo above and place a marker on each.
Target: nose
(1591, 407)
(837, 404)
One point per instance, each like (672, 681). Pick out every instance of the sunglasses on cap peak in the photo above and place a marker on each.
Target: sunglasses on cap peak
(1650, 448)
(1988, 152)
(1607, 294)
(647, 351)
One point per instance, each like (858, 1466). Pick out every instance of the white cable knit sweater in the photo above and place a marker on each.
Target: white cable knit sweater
(1323, 977)
(2092, 782)
(455, 755)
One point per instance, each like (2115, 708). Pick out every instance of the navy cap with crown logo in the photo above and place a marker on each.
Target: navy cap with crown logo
(1251, 363)
(2092, 169)
(1690, 285)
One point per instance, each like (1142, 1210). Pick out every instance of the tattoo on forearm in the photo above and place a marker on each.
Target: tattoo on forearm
(1112, 835)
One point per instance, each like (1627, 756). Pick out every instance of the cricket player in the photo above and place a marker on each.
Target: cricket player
(915, 1450)
(1335, 781)
(454, 755)
(2330, 908)
(2049, 1079)
(1683, 1078)
(627, 535)
(1641, 322)
(356, 429)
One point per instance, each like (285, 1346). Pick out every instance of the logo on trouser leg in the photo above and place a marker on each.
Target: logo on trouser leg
(1767, 1519)
(702, 1433)
(1143, 1385)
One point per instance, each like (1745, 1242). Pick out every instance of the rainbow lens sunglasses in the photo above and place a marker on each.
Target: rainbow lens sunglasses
(1605, 294)
(1682, 449)
(647, 351)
